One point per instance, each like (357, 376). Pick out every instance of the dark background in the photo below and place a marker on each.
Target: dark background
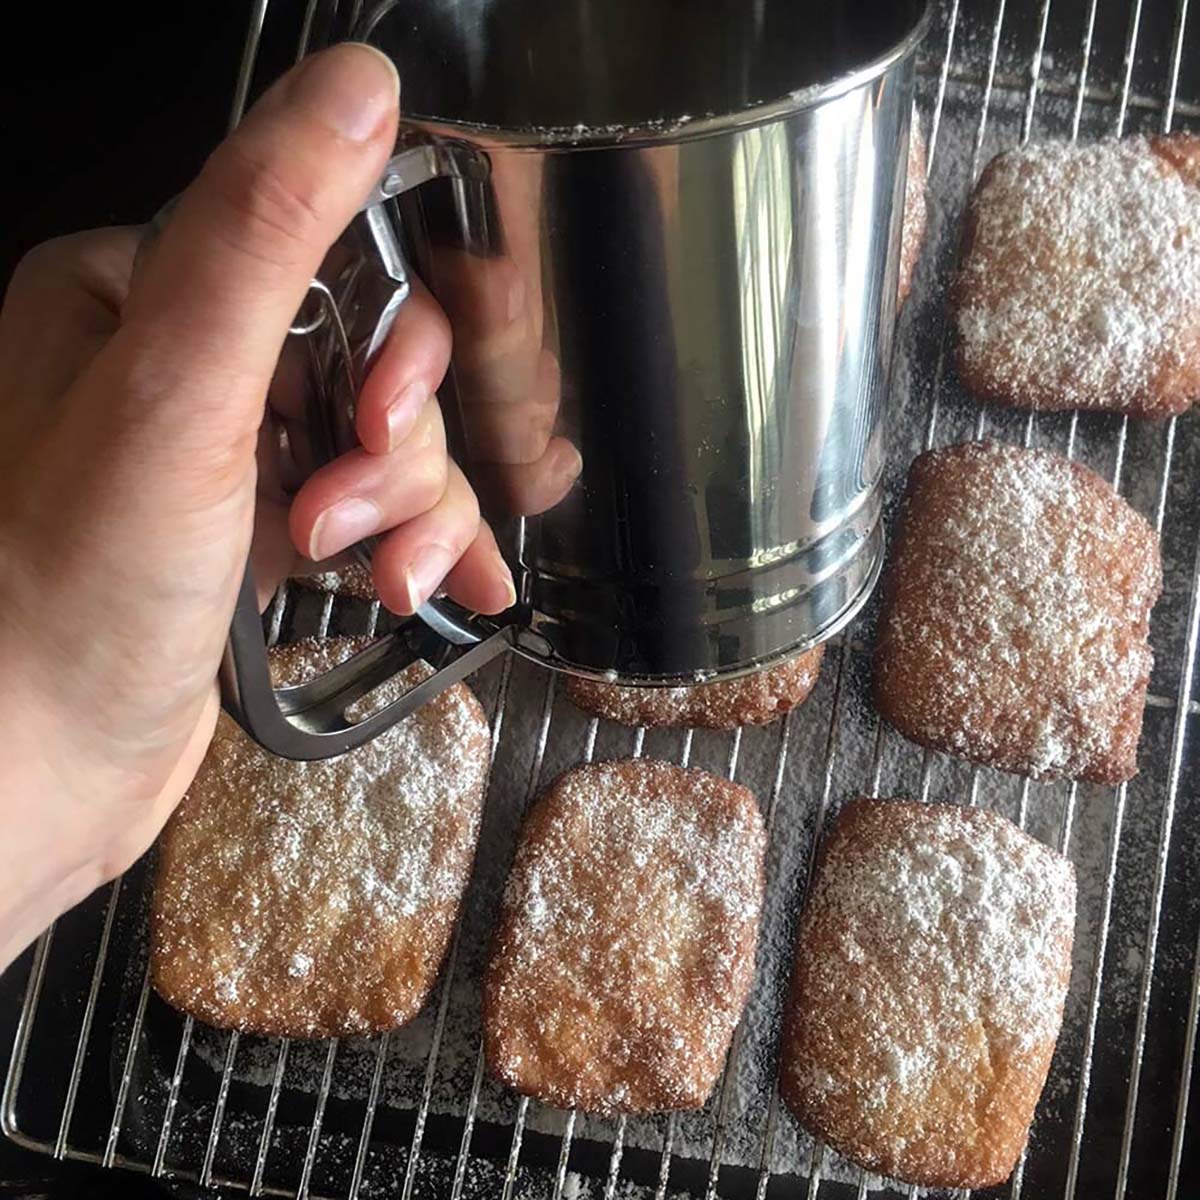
(108, 112)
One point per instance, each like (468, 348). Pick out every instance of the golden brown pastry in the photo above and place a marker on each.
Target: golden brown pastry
(932, 964)
(1015, 621)
(318, 899)
(755, 699)
(1080, 277)
(625, 948)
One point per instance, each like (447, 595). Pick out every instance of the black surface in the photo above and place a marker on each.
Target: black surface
(109, 113)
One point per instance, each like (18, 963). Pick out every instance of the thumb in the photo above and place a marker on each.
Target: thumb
(208, 313)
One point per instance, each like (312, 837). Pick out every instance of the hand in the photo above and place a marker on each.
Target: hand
(131, 421)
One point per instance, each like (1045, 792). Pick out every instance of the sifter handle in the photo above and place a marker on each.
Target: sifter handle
(310, 721)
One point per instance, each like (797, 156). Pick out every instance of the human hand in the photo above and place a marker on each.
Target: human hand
(131, 442)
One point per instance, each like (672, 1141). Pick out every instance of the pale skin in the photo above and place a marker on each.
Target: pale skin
(137, 471)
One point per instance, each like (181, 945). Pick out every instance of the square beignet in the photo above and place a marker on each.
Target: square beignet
(317, 899)
(625, 947)
(1015, 621)
(932, 964)
(755, 699)
(1079, 284)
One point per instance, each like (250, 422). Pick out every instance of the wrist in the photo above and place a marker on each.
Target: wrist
(44, 844)
(76, 806)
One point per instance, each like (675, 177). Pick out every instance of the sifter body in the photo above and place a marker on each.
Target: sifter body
(667, 240)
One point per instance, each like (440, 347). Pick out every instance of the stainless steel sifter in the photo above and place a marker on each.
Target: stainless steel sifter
(667, 240)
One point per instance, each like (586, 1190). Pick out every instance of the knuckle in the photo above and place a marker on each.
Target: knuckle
(76, 271)
(429, 478)
(265, 211)
(465, 502)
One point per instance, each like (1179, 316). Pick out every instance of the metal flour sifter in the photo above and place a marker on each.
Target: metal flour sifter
(699, 208)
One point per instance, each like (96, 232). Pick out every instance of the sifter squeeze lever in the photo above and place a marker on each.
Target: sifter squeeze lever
(345, 323)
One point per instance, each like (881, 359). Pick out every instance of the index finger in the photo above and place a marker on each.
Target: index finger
(211, 307)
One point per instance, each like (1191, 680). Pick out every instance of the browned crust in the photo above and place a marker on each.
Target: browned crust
(967, 1127)
(755, 699)
(588, 1012)
(917, 623)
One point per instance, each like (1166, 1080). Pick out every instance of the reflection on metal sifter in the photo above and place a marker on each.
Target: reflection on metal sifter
(696, 254)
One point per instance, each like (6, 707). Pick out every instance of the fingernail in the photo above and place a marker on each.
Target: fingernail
(341, 525)
(429, 566)
(506, 577)
(403, 412)
(351, 88)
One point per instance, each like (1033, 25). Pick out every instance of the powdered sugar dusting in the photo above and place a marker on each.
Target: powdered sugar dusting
(627, 938)
(1080, 285)
(1016, 620)
(306, 897)
(935, 1083)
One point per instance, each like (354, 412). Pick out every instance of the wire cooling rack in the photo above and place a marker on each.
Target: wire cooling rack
(103, 1072)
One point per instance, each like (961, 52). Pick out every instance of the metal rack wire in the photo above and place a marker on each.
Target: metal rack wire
(986, 81)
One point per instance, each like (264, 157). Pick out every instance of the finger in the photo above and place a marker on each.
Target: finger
(526, 489)
(481, 579)
(210, 307)
(62, 305)
(291, 383)
(410, 562)
(407, 372)
(361, 494)
(272, 555)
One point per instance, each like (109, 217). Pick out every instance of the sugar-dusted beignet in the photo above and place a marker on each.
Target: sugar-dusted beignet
(755, 699)
(1080, 278)
(932, 963)
(1016, 614)
(317, 899)
(625, 948)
